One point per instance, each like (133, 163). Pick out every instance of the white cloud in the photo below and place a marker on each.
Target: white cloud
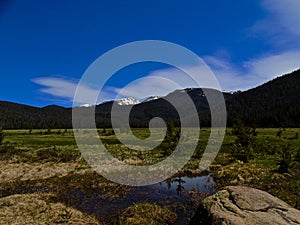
(274, 65)
(281, 26)
(57, 86)
(253, 72)
(281, 29)
(161, 82)
(285, 14)
(66, 88)
(250, 74)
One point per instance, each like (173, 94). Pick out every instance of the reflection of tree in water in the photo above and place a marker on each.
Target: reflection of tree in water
(179, 181)
(180, 187)
(169, 182)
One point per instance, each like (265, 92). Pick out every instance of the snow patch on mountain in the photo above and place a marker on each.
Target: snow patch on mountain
(128, 101)
(86, 105)
(151, 98)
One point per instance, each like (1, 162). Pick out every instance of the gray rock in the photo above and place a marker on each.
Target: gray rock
(236, 205)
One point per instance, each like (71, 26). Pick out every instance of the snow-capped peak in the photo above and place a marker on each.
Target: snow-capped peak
(128, 101)
(151, 98)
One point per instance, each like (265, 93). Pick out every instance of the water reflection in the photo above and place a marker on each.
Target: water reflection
(173, 192)
(182, 184)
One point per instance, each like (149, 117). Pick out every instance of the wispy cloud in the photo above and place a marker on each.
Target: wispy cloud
(281, 30)
(161, 82)
(57, 86)
(66, 88)
(281, 26)
(230, 77)
(253, 72)
(285, 14)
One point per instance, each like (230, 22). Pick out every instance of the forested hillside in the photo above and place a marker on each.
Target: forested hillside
(18, 116)
(273, 104)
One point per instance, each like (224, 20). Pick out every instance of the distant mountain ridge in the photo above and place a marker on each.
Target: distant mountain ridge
(19, 116)
(273, 104)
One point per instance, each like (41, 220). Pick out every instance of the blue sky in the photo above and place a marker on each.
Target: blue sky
(46, 46)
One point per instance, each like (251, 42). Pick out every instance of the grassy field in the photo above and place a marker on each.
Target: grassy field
(48, 164)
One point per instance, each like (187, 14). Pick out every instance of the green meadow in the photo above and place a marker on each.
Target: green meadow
(47, 166)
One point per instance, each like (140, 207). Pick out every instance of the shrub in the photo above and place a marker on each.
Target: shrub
(244, 145)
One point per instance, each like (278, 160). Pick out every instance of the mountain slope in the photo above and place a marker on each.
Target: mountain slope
(273, 104)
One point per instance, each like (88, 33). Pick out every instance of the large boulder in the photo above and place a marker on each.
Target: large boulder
(236, 205)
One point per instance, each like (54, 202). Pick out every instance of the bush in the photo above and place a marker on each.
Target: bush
(244, 145)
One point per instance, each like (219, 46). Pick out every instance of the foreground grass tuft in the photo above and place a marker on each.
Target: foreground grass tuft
(147, 213)
(38, 209)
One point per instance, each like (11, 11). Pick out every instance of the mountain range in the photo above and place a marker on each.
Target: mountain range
(273, 104)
